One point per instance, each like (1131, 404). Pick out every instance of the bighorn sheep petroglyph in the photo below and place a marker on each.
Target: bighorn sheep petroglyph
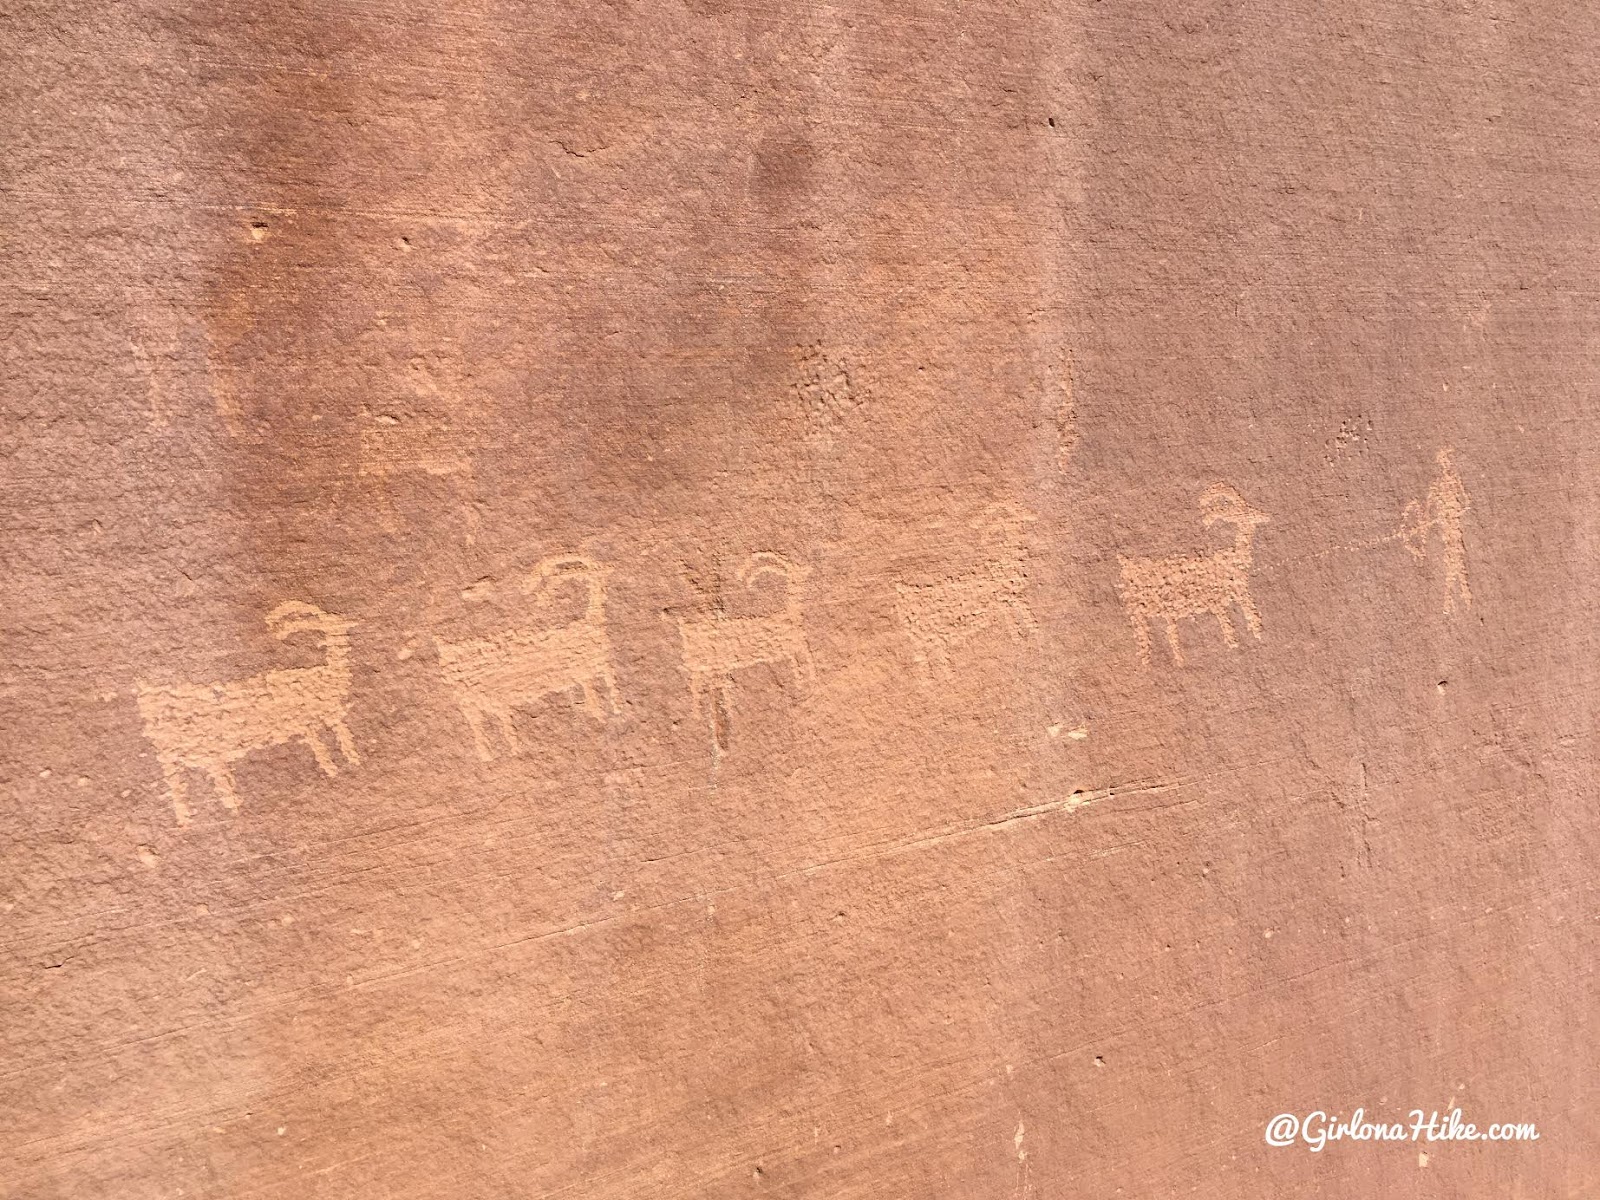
(491, 676)
(949, 611)
(206, 727)
(716, 646)
(1186, 585)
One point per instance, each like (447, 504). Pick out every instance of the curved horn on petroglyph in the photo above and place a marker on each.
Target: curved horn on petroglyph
(295, 616)
(294, 608)
(764, 562)
(1003, 519)
(578, 566)
(559, 564)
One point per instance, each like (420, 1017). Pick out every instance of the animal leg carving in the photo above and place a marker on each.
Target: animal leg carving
(1141, 632)
(222, 780)
(503, 715)
(1252, 618)
(313, 738)
(479, 740)
(919, 661)
(347, 744)
(1225, 624)
(1022, 622)
(177, 791)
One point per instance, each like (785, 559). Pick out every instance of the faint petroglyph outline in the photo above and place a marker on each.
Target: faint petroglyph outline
(1066, 415)
(393, 446)
(1446, 503)
(716, 646)
(491, 676)
(160, 414)
(827, 394)
(1187, 585)
(206, 727)
(413, 444)
(224, 393)
(950, 611)
(1024, 1167)
(625, 785)
(160, 342)
(417, 436)
(233, 320)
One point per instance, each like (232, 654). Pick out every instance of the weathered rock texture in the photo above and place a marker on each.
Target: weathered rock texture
(700, 599)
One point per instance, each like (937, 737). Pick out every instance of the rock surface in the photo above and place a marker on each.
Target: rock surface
(706, 599)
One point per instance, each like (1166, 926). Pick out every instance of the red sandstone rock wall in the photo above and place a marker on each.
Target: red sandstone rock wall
(705, 599)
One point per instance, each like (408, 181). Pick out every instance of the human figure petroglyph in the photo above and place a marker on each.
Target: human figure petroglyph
(952, 610)
(492, 676)
(1447, 502)
(717, 646)
(1189, 585)
(207, 727)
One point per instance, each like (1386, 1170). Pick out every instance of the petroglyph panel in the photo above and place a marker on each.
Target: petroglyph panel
(759, 713)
